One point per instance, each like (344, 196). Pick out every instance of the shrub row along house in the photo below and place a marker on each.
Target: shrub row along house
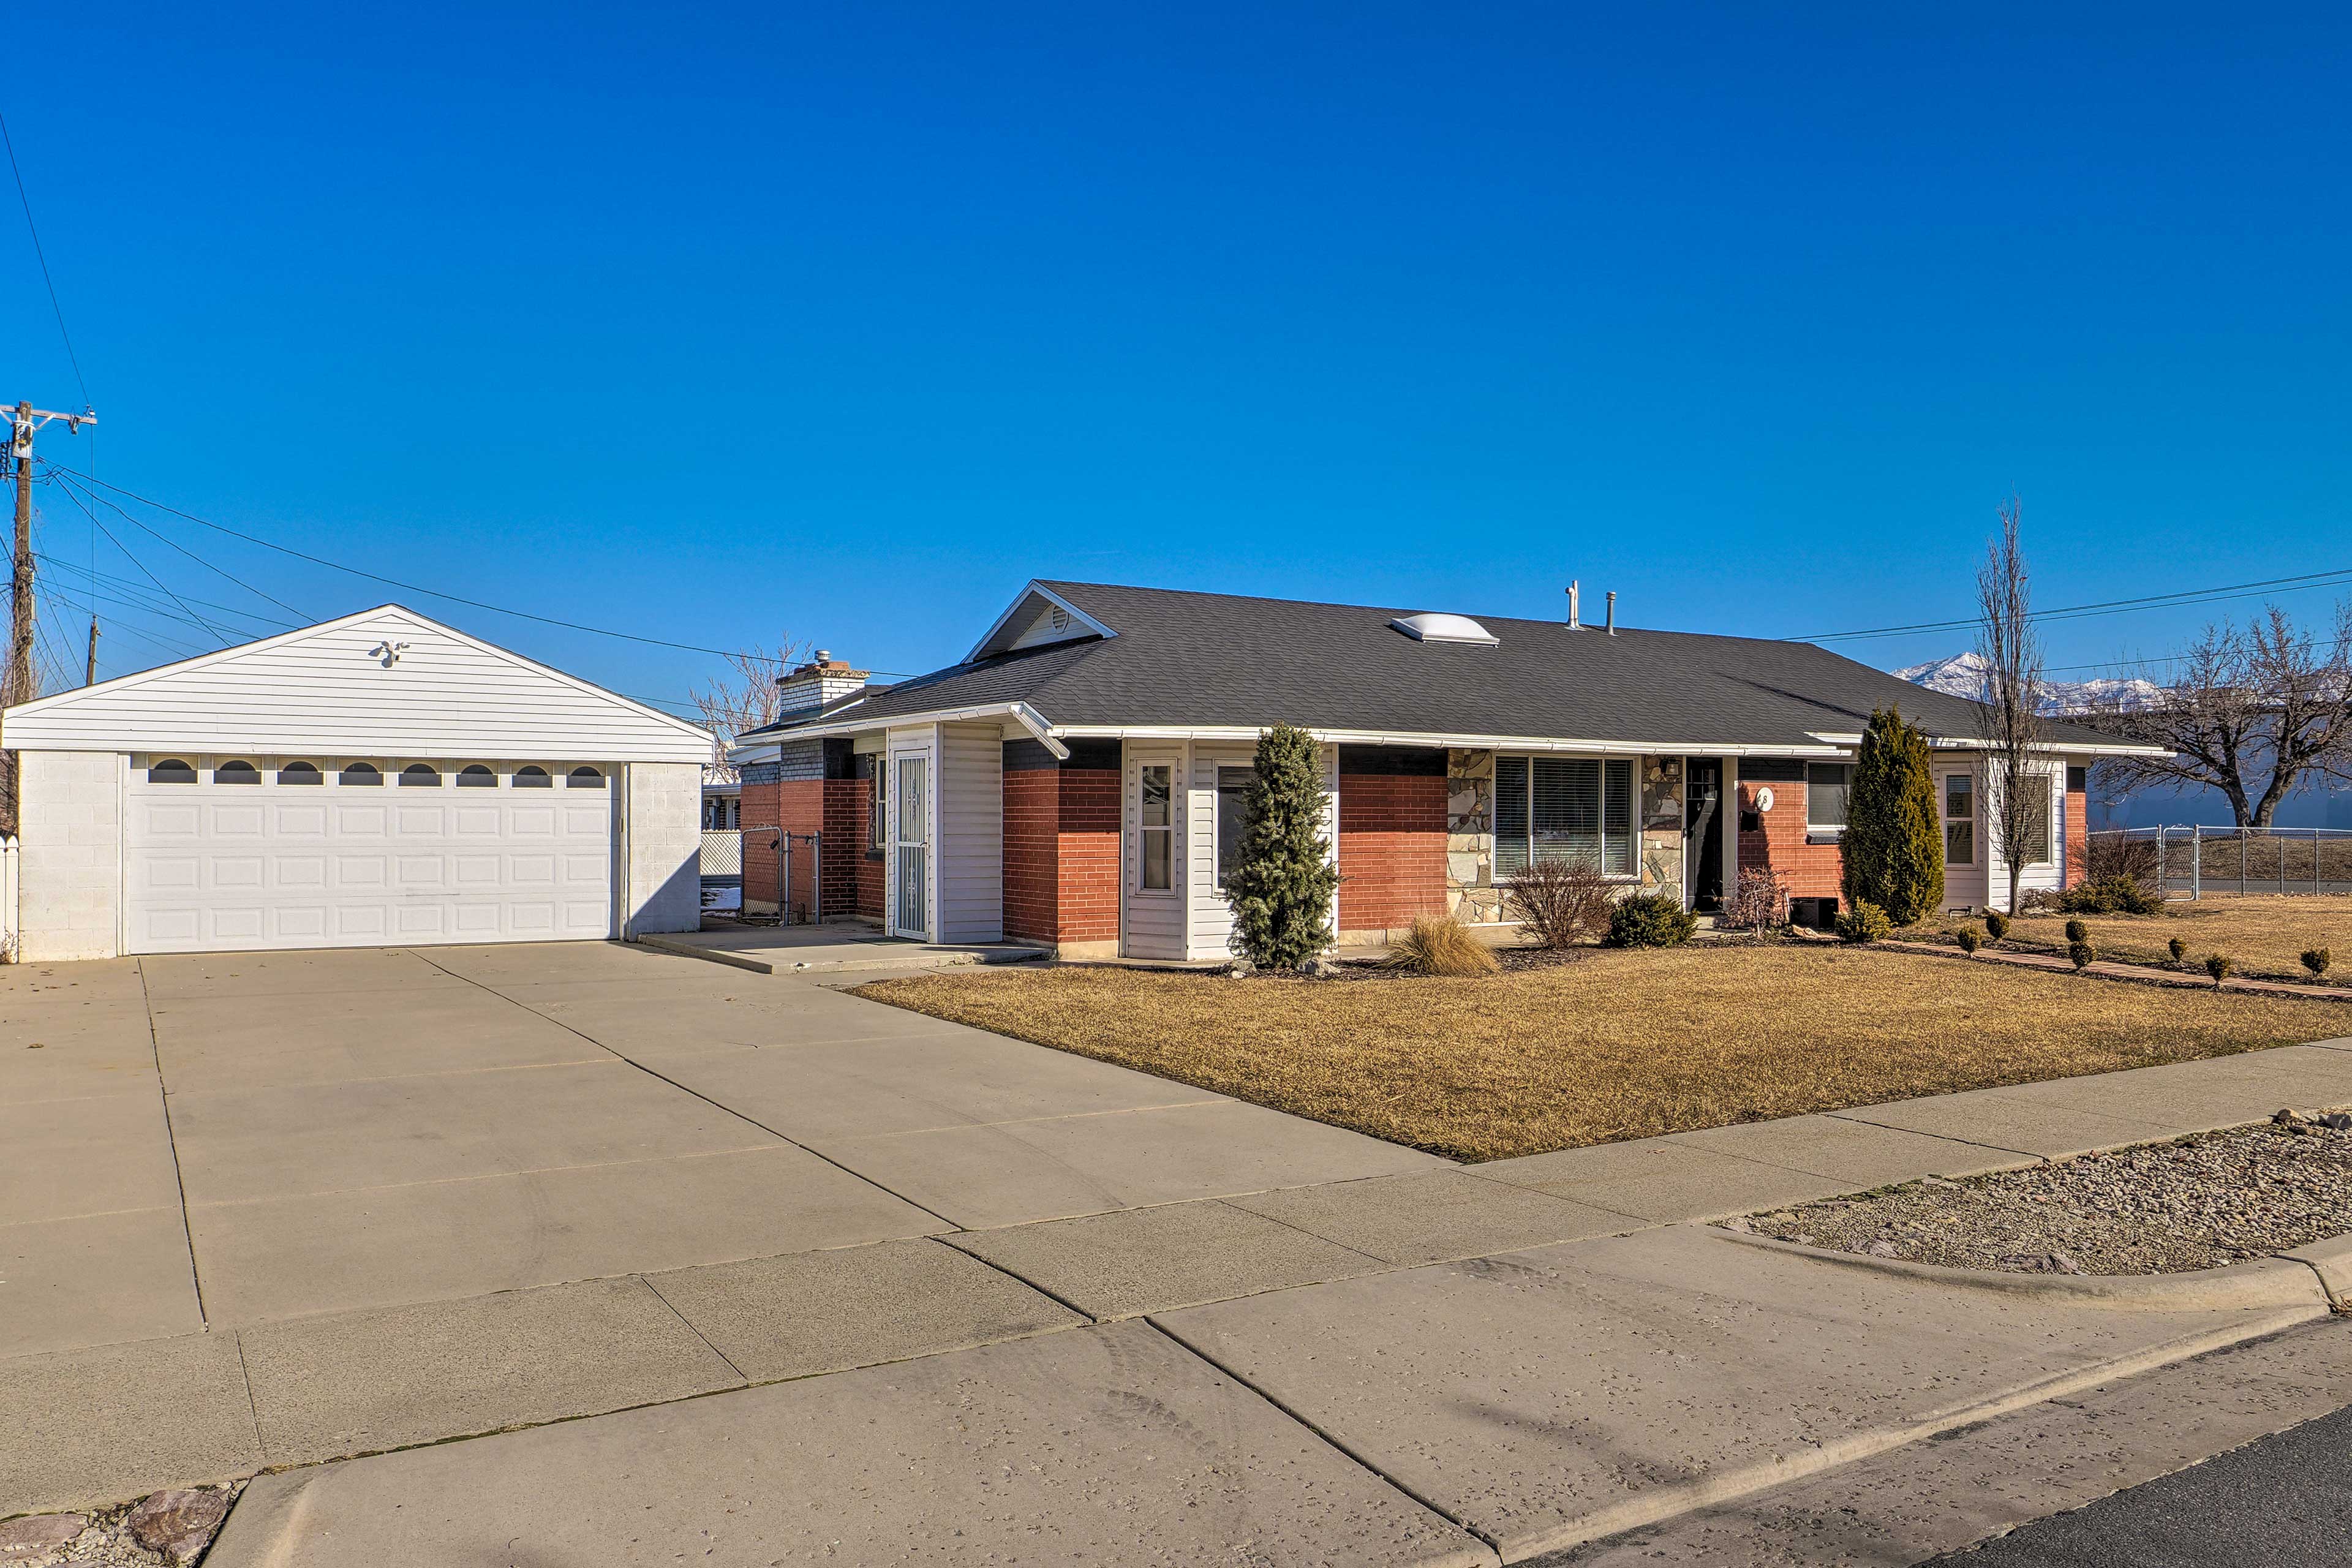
(1078, 780)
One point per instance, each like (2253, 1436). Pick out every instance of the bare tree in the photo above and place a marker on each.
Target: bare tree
(2258, 712)
(2009, 718)
(742, 697)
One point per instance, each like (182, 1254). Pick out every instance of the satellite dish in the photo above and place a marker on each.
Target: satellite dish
(1764, 798)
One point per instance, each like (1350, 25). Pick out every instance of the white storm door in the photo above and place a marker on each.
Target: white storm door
(219, 868)
(910, 815)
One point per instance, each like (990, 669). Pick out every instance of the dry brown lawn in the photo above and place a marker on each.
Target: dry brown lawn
(1621, 1044)
(2265, 933)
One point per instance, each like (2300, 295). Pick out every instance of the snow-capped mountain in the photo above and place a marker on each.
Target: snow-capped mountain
(1963, 675)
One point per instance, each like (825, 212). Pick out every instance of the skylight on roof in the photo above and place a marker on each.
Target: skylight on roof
(1433, 626)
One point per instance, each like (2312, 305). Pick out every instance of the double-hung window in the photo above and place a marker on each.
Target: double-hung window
(1156, 823)
(1564, 808)
(1827, 788)
(1232, 818)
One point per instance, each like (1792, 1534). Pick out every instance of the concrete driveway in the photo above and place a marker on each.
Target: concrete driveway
(956, 1296)
(208, 1141)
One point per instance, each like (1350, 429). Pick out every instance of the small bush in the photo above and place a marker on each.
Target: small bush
(2178, 949)
(2110, 896)
(2081, 953)
(2318, 960)
(1997, 923)
(1760, 902)
(1442, 945)
(1561, 902)
(2041, 902)
(2109, 855)
(1970, 939)
(1650, 920)
(2218, 967)
(2077, 931)
(1864, 922)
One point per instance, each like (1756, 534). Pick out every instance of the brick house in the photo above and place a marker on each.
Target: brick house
(1078, 780)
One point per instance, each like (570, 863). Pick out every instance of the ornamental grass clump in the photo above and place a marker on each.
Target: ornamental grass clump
(2219, 968)
(1864, 924)
(1892, 846)
(2316, 960)
(1650, 920)
(1282, 888)
(1442, 945)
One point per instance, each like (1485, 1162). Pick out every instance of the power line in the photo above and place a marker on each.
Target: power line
(72, 489)
(43, 256)
(2180, 597)
(218, 635)
(412, 587)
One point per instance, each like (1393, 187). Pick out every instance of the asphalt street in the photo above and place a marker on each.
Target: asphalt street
(2283, 1501)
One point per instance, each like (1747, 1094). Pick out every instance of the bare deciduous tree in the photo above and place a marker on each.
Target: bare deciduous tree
(744, 698)
(2258, 712)
(2009, 718)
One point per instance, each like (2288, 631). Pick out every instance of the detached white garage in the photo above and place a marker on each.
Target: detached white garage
(380, 780)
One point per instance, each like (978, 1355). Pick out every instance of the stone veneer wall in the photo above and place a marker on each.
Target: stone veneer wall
(1470, 831)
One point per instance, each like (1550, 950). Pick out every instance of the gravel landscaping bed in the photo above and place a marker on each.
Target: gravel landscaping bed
(2158, 1208)
(168, 1529)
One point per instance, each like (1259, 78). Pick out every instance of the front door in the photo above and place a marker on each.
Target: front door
(911, 818)
(1702, 830)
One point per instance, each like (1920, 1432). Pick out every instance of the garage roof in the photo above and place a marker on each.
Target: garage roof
(382, 682)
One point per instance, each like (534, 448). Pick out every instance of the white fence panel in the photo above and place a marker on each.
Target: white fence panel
(9, 945)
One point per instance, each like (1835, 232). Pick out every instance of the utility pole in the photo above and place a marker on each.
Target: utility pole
(24, 420)
(89, 676)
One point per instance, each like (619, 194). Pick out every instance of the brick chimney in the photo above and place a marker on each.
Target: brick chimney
(821, 681)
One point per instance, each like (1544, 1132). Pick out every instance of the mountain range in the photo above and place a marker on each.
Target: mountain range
(1963, 675)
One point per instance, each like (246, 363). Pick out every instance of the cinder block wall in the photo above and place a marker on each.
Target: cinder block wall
(664, 847)
(71, 862)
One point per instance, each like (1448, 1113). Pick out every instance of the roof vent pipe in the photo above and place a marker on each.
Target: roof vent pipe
(1571, 606)
(1612, 612)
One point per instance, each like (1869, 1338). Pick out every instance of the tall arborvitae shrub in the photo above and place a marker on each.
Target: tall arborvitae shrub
(1282, 889)
(1893, 841)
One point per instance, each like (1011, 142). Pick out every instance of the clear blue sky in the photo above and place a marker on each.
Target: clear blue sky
(837, 323)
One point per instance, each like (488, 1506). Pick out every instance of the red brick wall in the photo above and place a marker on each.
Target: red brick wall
(1813, 870)
(848, 821)
(1061, 854)
(2078, 835)
(1032, 837)
(1392, 849)
(1086, 871)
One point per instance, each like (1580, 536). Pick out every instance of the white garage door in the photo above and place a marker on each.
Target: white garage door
(233, 854)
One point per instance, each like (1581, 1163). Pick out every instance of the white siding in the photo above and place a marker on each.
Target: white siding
(2049, 874)
(665, 867)
(321, 690)
(70, 865)
(970, 854)
(1151, 924)
(1210, 918)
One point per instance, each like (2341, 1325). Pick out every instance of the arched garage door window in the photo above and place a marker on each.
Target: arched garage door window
(586, 778)
(360, 773)
(169, 770)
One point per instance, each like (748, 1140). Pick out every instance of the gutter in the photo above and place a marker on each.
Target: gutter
(1034, 722)
(2053, 748)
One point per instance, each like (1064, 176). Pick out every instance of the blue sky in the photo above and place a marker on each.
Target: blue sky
(838, 323)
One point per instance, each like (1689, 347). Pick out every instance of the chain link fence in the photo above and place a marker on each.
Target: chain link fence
(2190, 862)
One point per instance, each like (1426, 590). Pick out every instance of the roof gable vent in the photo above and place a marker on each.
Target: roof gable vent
(1432, 627)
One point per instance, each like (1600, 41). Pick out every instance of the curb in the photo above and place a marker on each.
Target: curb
(2289, 1280)
(838, 966)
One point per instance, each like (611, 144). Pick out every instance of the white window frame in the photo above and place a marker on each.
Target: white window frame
(1827, 830)
(1173, 765)
(1632, 807)
(1944, 778)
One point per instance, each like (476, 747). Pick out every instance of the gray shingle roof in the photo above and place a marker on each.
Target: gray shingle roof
(1222, 660)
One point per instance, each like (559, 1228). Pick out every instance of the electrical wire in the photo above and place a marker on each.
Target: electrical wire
(406, 586)
(43, 256)
(2334, 577)
(218, 635)
(301, 617)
